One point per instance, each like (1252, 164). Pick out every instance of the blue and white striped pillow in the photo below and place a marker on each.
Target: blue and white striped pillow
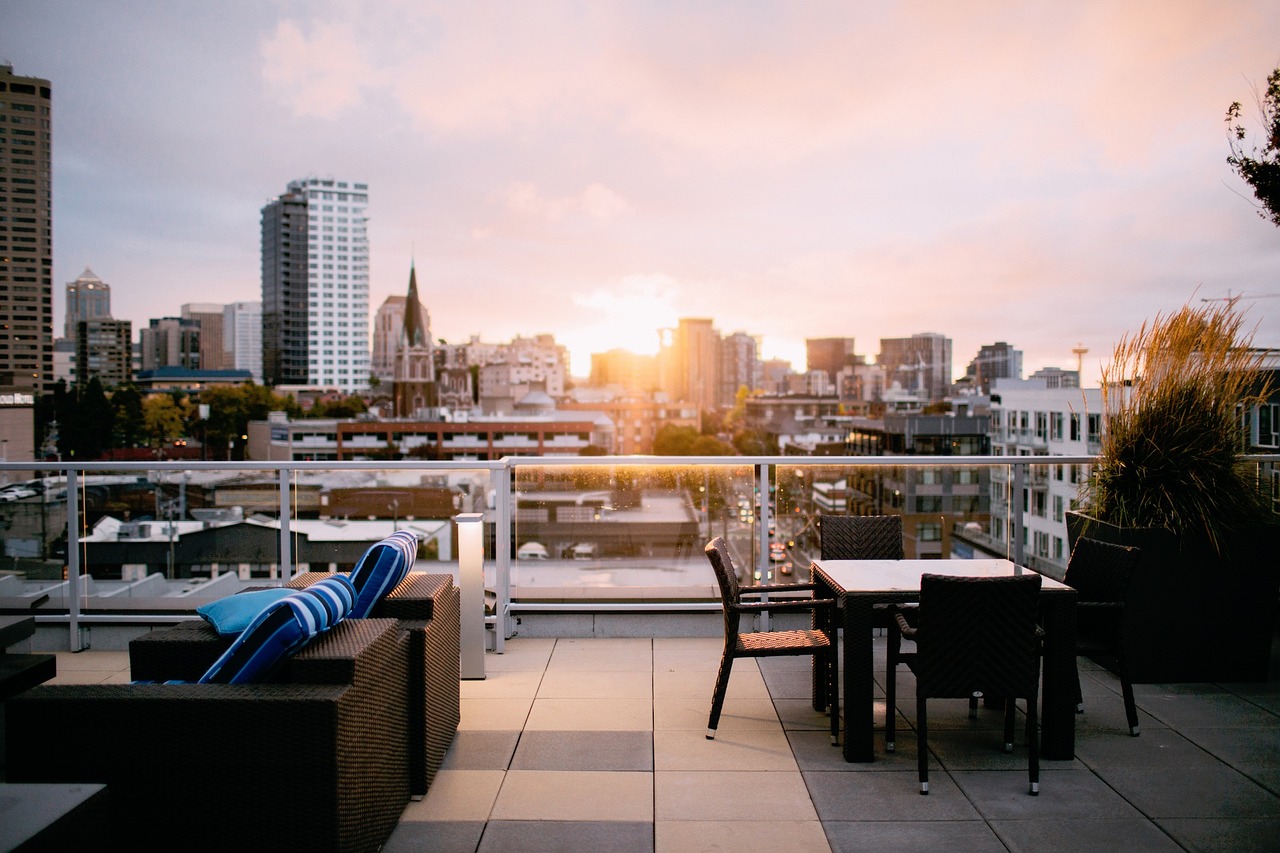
(281, 629)
(381, 569)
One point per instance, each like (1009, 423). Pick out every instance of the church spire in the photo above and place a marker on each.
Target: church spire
(415, 324)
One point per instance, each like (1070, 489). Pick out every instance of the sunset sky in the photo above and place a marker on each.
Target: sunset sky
(1045, 174)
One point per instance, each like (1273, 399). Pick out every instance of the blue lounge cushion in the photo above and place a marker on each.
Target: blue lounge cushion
(282, 628)
(231, 615)
(381, 570)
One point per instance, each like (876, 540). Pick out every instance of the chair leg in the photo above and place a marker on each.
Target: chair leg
(1010, 708)
(1033, 743)
(922, 743)
(1130, 707)
(894, 645)
(833, 693)
(717, 698)
(973, 704)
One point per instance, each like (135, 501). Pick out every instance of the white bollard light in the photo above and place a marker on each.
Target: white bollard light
(471, 592)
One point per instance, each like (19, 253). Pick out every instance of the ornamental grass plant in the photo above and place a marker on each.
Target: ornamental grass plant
(1173, 396)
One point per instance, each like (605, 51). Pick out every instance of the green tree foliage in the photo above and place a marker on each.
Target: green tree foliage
(1259, 163)
(130, 428)
(85, 422)
(165, 418)
(347, 407)
(674, 440)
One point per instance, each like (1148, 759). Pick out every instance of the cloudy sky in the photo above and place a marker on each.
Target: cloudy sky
(1040, 173)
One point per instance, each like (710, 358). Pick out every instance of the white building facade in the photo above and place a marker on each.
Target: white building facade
(1028, 418)
(242, 337)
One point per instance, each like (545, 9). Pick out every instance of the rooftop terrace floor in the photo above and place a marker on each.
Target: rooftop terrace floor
(599, 745)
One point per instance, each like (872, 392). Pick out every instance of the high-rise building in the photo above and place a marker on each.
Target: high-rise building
(104, 348)
(208, 316)
(689, 363)
(831, 355)
(88, 298)
(26, 245)
(920, 364)
(242, 337)
(739, 366)
(170, 342)
(994, 361)
(315, 285)
(634, 374)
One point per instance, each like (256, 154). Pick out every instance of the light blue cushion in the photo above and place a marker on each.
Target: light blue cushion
(231, 615)
(381, 570)
(281, 629)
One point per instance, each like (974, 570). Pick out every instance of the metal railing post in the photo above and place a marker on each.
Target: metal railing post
(1017, 484)
(75, 642)
(762, 484)
(504, 516)
(286, 550)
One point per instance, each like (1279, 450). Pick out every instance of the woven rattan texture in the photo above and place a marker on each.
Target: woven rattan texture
(297, 766)
(978, 634)
(861, 537)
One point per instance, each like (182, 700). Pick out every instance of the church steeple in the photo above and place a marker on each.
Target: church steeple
(415, 332)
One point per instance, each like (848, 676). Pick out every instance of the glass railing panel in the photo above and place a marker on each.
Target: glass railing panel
(946, 509)
(618, 530)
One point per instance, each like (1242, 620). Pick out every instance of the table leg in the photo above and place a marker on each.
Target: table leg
(1057, 703)
(859, 681)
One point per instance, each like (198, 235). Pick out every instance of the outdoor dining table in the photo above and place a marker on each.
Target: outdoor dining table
(859, 585)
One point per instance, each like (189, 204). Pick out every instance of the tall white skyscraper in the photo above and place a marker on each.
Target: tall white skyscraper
(315, 296)
(242, 337)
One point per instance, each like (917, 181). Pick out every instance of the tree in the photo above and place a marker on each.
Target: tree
(130, 428)
(1259, 166)
(674, 440)
(88, 427)
(164, 417)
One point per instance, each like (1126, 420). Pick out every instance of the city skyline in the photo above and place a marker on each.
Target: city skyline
(1046, 176)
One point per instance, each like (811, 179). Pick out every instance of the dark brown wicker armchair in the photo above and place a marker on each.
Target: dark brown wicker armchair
(313, 761)
(1100, 573)
(426, 607)
(818, 642)
(861, 537)
(973, 634)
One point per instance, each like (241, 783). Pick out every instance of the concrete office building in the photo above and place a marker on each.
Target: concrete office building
(242, 338)
(26, 245)
(104, 348)
(315, 286)
(209, 318)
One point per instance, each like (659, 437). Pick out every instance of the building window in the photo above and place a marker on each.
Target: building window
(1269, 425)
(931, 532)
(1075, 427)
(1055, 426)
(1057, 508)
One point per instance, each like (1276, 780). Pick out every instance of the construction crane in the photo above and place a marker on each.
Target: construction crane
(1249, 297)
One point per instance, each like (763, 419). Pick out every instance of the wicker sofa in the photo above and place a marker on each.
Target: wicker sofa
(426, 608)
(313, 760)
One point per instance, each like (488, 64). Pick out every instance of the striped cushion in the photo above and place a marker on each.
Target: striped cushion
(231, 615)
(281, 629)
(381, 569)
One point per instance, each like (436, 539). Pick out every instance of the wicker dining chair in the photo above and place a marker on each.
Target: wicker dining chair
(819, 641)
(1100, 573)
(861, 537)
(972, 634)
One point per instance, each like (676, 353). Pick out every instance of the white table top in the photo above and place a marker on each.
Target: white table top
(904, 575)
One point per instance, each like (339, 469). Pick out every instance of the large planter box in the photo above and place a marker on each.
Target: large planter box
(1192, 614)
